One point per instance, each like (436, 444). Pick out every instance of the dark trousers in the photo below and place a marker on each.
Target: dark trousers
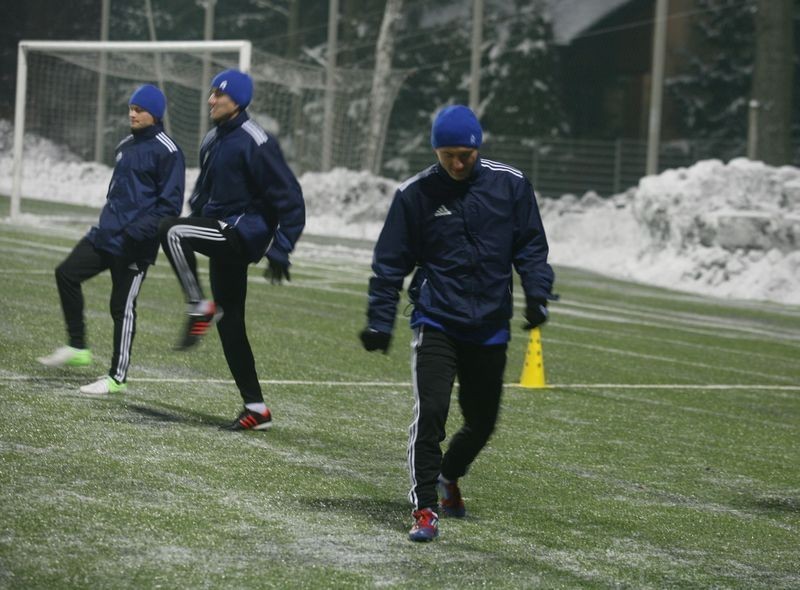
(436, 361)
(181, 237)
(84, 262)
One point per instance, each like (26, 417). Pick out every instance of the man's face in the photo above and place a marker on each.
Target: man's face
(222, 106)
(458, 162)
(139, 118)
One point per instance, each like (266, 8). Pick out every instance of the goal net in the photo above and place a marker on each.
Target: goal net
(72, 108)
(289, 101)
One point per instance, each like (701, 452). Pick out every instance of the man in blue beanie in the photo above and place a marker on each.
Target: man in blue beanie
(246, 204)
(462, 225)
(146, 185)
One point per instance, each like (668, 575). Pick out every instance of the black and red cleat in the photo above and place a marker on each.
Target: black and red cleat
(201, 317)
(250, 420)
(450, 501)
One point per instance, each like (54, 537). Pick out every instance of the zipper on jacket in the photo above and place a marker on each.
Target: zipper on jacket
(473, 255)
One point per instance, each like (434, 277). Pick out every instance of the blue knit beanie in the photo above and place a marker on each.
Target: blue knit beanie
(150, 99)
(236, 84)
(456, 126)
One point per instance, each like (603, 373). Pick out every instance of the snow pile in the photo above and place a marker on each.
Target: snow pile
(51, 172)
(346, 203)
(729, 230)
(726, 230)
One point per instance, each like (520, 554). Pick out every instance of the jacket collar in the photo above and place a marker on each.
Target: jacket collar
(148, 132)
(231, 124)
(455, 184)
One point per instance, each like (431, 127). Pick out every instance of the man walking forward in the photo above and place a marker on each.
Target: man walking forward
(462, 223)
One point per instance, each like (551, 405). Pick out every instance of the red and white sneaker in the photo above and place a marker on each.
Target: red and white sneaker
(426, 525)
(250, 420)
(201, 317)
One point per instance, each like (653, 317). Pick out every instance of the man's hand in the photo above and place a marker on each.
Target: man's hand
(535, 313)
(374, 340)
(276, 272)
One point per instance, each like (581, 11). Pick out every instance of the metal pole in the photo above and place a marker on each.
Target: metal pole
(330, 85)
(657, 85)
(205, 79)
(752, 129)
(100, 119)
(617, 166)
(475, 62)
(19, 131)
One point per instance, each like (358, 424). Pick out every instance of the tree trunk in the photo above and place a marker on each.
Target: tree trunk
(381, 95)
(773, 80)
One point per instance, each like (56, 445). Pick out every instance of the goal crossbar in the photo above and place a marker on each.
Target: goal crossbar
(243, 48)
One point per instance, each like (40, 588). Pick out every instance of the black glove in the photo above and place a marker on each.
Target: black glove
(535, 313)
(276, 272)
(374, 340)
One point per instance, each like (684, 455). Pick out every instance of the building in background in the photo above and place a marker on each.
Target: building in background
(606, 57)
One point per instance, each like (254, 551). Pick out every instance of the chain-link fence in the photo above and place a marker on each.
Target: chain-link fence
(608, 167)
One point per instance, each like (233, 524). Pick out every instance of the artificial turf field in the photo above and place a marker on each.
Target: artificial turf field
(664, 454)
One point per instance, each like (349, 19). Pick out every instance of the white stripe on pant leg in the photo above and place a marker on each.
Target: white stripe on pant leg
(185, 275)
(128, 326)
(413, 429)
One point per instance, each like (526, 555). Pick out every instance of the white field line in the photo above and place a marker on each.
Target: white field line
(34, 247)
(636, 310)
(666, 359)
(670, 320)
(792, 360)
(555, 386)
(666, 403)
(696, 325)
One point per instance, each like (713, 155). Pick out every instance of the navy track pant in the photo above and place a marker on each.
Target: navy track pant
(436, 360)
(181, 237)
(84, 262)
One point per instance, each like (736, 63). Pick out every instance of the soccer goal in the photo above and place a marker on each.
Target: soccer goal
(72, 96)
(71, 108)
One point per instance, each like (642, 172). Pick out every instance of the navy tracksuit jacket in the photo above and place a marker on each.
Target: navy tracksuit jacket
(246, 183)
(146, 186)
(463, 238)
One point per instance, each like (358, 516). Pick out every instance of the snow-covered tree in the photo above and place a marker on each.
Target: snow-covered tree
(713, 94)
(519, 84)
(380, 96)
(519, 89)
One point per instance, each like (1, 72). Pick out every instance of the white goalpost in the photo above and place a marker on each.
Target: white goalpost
(65, 89)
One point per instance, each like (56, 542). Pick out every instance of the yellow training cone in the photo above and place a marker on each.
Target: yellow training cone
(533, 368)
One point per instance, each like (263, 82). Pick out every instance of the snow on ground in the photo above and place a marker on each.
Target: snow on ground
(728, 230)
